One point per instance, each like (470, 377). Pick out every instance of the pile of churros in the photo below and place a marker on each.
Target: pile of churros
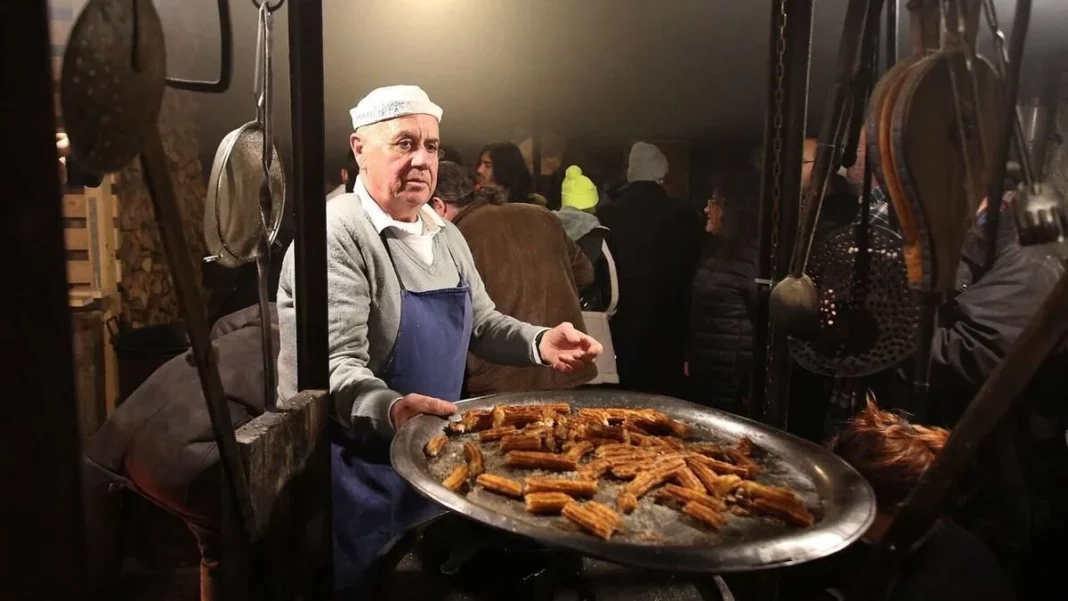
(647, 452)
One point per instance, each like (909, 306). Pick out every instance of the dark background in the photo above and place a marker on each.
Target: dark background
(601, 70)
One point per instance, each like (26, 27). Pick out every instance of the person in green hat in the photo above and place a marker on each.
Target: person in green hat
(578, 200)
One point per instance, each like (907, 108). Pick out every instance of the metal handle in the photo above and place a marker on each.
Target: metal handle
(226, 59)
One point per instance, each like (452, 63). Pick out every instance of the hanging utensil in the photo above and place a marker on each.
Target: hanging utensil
(114, 77)
(111, 88)
(233, 220)
(246, 193)
(1039, 212)
(263, 255)
(933, 159)
(793, 301)
(867, 316)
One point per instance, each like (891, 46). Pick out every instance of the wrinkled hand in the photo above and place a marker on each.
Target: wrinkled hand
(565, 348)
(413, 405)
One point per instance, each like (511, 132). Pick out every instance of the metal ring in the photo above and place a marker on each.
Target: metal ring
(270, 8)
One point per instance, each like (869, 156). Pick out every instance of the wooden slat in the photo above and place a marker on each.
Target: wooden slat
(76, 238)
(74, 206)
(79, 272)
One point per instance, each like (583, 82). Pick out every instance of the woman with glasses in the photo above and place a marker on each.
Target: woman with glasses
(719, 348)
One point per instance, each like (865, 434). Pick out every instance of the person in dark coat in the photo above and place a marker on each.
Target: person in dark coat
(947, 563)
(159, 444)
(1018, 502)
(719, 352)
(655, 242)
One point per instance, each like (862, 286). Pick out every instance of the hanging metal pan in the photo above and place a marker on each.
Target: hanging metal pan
(232, 223)
(234, 218)
(113, 77)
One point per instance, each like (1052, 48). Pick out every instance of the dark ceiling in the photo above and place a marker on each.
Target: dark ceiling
(618, 69)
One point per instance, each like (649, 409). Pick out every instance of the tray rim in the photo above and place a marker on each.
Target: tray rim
(824, 539)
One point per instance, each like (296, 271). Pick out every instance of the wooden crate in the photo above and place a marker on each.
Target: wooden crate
(93, 271)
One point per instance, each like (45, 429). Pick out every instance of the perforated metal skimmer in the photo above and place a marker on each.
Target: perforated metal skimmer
(867, 315)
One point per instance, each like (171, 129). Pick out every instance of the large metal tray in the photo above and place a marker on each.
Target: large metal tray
(842, 501)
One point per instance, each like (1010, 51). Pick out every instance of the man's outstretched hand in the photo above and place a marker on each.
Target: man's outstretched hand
(565, 348)
(413, 405)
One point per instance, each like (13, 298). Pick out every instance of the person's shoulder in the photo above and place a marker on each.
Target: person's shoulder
(346, 218)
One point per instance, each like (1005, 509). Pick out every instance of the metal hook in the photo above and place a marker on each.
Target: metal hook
(270, 7)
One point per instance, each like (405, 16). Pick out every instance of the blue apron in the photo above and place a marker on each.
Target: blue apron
(372, 504)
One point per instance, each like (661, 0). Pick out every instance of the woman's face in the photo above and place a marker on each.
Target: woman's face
(714, 215)
(485, 170)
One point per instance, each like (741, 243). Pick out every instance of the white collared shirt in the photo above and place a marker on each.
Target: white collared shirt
(417, 235)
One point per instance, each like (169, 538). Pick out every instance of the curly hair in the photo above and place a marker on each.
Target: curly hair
(888, 451)
(456, 186)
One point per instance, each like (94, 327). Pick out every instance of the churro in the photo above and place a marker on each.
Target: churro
(588, 517)
(520, 443)
(674, 492)
(435, 445)
(574, 488)
(704, 514)
(546, 502)
(541, 461)
(626, 502)
(685, 478)
(495, 434)
(578, 450)
(500, 485)
(455, 480)
(476, 464)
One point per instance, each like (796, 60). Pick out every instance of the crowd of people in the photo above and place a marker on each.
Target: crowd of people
(450, 280)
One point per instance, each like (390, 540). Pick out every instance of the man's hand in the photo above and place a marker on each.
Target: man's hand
(413, 405)
(565, 348)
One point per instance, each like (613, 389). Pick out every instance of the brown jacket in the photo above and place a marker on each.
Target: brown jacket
(532, 271)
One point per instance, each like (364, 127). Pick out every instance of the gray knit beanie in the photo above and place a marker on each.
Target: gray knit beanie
(647, 163)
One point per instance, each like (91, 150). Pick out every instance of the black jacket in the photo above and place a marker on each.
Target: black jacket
(720, 346)
(655, 242)
(1021, 469)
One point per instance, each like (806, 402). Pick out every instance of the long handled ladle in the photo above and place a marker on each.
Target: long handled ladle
(793, 304)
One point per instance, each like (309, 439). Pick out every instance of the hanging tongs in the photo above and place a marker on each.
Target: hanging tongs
(793, 301)
(226, 59)
(1038, 210)
(264, 93)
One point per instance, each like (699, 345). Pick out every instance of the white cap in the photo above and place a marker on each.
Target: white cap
(391, 102)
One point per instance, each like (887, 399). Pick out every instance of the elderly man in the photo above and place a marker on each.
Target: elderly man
(406, 304)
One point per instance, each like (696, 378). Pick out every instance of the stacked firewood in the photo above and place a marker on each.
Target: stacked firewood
(148, 293)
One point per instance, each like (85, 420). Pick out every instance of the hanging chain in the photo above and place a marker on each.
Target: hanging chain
(778, 101)
(777, 129)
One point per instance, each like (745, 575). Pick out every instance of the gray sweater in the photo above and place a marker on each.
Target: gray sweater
(364, 311)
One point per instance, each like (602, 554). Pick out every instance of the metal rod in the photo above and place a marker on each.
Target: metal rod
(929, 303)
(42, 530)
(161, 191)
(306, 86)
(835, 116)
(893, 31)
(1042, 335)
(1006, 128)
